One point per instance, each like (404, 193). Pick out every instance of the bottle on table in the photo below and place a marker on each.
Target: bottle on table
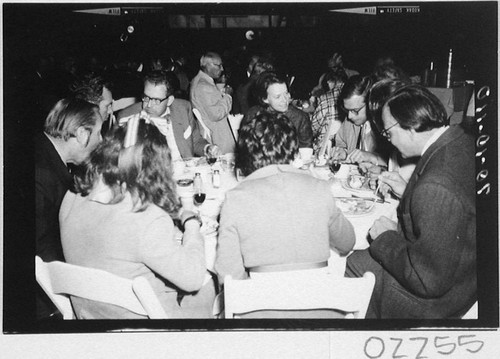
(216, 179)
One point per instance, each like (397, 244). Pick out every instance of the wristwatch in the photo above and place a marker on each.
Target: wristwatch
(194, 216)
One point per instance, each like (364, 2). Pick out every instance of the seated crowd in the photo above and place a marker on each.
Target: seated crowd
(106, 197)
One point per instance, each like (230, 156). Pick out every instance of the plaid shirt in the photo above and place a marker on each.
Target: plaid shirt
(325, 112)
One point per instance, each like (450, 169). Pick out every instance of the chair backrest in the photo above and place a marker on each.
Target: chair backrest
(206, 133)
(61, 301)
(134, 295)
(327, 291)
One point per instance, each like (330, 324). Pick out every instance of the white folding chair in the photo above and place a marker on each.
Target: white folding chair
(327, 291)
(61, 280)
(61, 301)
(206, 133)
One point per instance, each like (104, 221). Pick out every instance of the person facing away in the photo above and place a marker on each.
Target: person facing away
(355, 141)
(174, 117)
(278, 218)
(273, 96)
(96, 90)
(71, 131)
(214, 103)
(121, 220)
(325, 120)
(425, 265)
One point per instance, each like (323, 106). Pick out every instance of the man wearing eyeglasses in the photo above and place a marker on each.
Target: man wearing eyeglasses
(213, 103)
(355, 142)
(425, 264)
(174, 117)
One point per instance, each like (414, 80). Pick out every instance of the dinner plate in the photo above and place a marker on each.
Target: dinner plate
(354, 207)
(365, 188)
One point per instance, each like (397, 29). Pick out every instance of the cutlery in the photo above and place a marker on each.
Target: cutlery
(378, 200)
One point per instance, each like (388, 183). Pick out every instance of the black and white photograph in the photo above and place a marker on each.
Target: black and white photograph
(265, 179)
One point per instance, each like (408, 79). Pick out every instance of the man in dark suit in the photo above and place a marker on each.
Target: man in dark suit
(425, 265)
(72, 130)
(176, 117)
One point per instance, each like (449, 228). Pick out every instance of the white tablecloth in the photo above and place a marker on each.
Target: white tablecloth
(210, 209)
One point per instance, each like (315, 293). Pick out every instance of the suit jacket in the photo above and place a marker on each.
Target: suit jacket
(430, 260)
(52, 181)
(214, 107)
(189, 143)
(279, 215)
(299, 119)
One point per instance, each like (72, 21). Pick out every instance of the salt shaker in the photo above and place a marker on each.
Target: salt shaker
(216, 179)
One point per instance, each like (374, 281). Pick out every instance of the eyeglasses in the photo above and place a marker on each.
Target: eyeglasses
(385, 131)
(154, 101)
(217, 65)
(355, 111)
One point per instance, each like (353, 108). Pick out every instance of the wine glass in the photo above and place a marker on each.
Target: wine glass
(211, 154)
(199, 198)
(334, 166)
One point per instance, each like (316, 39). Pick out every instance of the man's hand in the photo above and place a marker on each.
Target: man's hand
(381, 225)
(338, 154)
(392, 182)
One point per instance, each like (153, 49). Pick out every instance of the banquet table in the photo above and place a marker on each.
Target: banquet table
(210, 209)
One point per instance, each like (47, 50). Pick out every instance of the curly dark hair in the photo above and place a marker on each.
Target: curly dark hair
(268, 138)
(144, 169)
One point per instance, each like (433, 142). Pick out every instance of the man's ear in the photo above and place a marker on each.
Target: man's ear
(170, 100)
(82, 136)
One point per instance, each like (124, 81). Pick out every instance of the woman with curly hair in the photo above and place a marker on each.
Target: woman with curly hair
(278, 218)
(121, 220)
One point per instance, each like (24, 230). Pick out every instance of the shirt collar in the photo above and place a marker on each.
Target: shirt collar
(271, 170)
(434, 138)
(207, 77)
(56, 148)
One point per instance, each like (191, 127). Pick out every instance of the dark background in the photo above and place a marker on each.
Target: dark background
(31, 31)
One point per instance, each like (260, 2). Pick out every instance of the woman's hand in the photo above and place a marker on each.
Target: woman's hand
(391, 182)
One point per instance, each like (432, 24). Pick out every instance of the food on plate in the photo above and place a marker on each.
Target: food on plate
(356, 181)
(353, 206)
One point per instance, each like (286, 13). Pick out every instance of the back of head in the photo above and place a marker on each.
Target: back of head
(390, 72)
(89, 88)
(377, 96)
(134, 158)
(415, 107)
(68, 115)
(261, 66)
(268, 138)
(356, 85)
(336, 75)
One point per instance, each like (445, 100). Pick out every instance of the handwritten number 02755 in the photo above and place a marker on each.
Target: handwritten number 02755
(375, 346)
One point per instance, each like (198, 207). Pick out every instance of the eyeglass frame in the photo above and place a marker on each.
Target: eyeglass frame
(220, 66)
(355, 111)
(385, 131)
(156, 101)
